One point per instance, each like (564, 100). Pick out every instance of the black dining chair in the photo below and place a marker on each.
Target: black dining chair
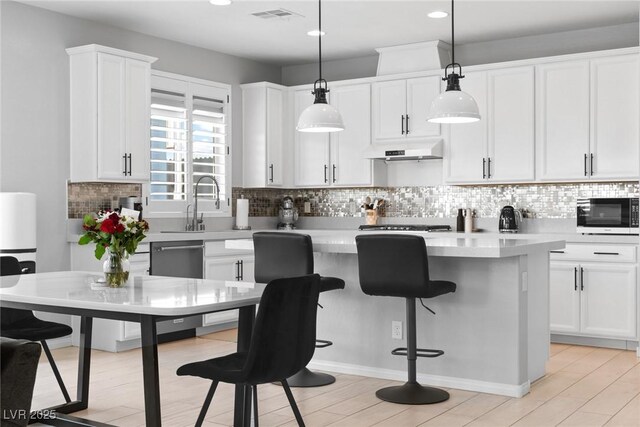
(279, 255)
(282, 342)
(18, 367)
(23, 325)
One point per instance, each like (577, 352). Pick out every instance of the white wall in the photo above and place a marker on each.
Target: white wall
(601, 38)
(35, 104)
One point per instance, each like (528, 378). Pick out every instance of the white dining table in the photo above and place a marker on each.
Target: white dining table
(144, 299)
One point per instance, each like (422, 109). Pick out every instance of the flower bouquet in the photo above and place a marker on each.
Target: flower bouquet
(117, 234)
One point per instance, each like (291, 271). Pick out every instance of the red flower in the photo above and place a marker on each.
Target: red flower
(108, 226)
(114, 217)
(119, 228)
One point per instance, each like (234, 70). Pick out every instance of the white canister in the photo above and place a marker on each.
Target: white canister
(468, 221)
(17, 221)
(242, 214)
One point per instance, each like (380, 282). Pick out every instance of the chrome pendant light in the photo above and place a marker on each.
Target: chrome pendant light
(320, 116)
(454, 105)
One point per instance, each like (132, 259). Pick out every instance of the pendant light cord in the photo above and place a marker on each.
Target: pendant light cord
(320, 39)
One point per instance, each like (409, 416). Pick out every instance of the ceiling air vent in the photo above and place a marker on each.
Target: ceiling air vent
(277, 13)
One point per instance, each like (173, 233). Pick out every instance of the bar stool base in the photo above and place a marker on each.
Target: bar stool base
(412, 393)
(306, 378)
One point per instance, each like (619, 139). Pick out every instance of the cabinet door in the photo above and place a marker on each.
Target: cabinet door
(608, 306)
(222, 268)
(348, 166)
(275, 137)
(614, 117)
(137, 96)
(562, 121)
(111, 117)
(420, 94)
(312, 149)
(467, 145)
(511, 125)
(389, 107)
(564, 297)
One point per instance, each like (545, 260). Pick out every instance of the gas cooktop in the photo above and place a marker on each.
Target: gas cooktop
(405, 227)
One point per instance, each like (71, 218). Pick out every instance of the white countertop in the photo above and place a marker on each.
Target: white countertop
(156, 295)
(438, 244)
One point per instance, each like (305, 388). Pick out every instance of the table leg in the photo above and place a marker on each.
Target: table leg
(242, 406)
(150, 371)
(84, 360)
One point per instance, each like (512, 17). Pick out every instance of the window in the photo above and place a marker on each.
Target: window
(189, 143)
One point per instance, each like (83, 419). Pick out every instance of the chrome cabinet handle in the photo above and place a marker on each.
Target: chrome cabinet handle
(237, 270)
(125, 164)
(176, 248)
(402, 124)
(585, 165)
(575, 278)
(557, 252)
(271, 173)
(325, 174)
(241, 270)
(334, 174)
(407, 131)
(606, 253)
(488, 167)
(591, 165)
(484, 168)
(129, 164)
(581, 279)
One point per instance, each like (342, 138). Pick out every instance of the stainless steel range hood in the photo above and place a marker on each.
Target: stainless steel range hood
(429, 149)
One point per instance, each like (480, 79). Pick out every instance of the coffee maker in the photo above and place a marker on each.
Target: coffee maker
(287, 214)
(510, 219)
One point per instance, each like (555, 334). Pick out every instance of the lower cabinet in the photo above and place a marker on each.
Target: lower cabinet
(594, 298)
(224, 264)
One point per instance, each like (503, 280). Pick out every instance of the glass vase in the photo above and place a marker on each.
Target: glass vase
(116, 269)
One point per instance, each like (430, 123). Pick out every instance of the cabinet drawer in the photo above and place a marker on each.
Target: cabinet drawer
(595, 252)
(218, 249)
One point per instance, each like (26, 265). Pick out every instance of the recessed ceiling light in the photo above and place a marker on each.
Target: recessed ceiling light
(316, 33)
(220, 2)
(438, 14)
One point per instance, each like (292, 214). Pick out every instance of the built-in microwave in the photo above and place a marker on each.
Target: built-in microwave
(608, 216)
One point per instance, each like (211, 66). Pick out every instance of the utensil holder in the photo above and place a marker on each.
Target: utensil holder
(371, 216)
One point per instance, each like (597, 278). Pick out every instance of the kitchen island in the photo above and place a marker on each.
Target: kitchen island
(494, 329)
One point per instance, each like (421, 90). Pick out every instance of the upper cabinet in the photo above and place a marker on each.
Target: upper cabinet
(263, 135)
(500, 147)
(337, 158)
(587, 122)
(109, 129)
(400, 109)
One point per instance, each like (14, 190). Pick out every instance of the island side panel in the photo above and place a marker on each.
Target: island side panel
(539, 333)
(483, 327)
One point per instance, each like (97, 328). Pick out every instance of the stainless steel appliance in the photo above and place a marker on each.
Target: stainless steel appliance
(608, 215)
(182, 258)
(405, 227)
(287, 214)
(131, 202)
(510, 219)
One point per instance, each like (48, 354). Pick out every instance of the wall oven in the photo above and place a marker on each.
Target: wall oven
(608, 216)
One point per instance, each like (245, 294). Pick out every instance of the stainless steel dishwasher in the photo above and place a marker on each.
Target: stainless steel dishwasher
(182, 258)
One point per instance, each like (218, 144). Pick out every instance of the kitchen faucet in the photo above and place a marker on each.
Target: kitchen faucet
(197, 223)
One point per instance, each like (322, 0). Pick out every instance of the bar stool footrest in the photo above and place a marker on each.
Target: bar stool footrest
(323, 343)
(420, 352)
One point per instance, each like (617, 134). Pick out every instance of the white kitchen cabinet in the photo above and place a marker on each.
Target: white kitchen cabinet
(586, 121)
(400, 109)
(109, 100)
(596, 295)
(312, 157)
(263, 135)
(500, 147)
(614, 118)
(337, 159)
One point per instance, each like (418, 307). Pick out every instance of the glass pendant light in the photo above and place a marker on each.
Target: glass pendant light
(454, 105)
(320, 116)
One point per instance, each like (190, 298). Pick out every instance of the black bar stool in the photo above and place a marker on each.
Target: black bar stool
(279, 255)
(397, 266)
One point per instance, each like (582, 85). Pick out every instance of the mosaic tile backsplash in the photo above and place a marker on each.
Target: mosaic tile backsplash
(85, 197)
(537, 200)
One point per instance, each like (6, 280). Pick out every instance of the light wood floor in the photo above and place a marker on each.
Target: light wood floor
(584, 386)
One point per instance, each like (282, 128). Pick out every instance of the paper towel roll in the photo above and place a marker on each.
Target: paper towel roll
(17, 221)
(242, 213)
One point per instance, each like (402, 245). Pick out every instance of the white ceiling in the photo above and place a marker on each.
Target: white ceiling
(354, 27)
